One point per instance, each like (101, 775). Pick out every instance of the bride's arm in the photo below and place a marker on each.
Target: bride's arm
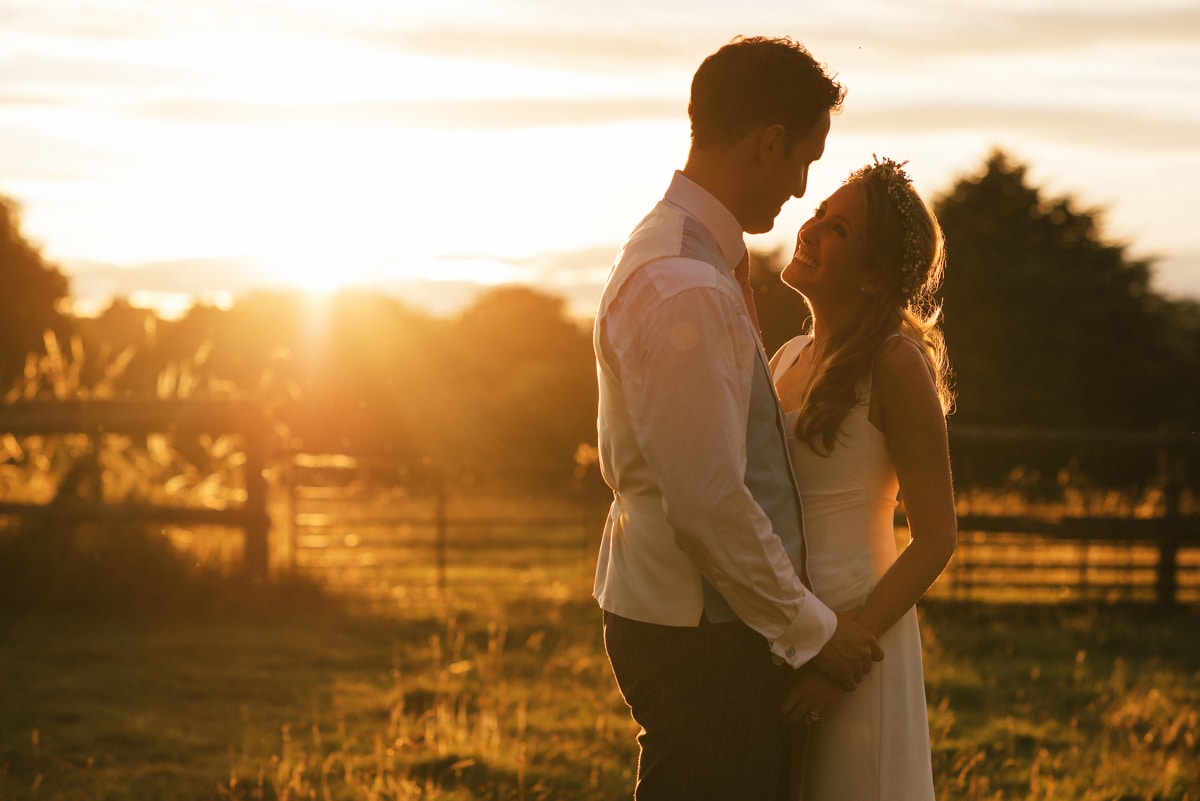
(911, 416)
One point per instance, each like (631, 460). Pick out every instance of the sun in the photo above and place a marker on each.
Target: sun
(315, 268)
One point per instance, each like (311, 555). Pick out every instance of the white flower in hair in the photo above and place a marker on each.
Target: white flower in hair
(904, 197)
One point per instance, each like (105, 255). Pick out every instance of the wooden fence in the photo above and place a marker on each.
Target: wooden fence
(73, 504)
(1038, 556)
(1147, 554)
(386, 527)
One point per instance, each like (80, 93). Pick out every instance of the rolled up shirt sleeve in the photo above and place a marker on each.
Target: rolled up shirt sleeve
(687, 378)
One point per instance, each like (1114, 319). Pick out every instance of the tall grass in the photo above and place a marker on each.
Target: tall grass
(480, 718)
(1037, 703)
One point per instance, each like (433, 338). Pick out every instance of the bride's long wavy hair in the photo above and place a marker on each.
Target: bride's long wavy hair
(909, 270)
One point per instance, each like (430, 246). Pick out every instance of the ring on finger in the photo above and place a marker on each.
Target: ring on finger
(814, 717)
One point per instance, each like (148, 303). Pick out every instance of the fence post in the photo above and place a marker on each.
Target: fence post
(1173, 467)
(256, 548)
(1084, 552)
(440, 518)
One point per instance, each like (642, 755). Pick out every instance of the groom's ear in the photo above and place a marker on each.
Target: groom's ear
(775, 139)
(772, 142)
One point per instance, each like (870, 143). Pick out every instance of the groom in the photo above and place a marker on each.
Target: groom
(704, 615)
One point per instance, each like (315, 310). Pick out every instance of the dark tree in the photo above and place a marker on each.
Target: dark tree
(1049, 324)
(30, 289)
(346, 373)
(524, 377)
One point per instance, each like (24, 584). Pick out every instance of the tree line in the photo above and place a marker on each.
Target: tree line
(1047, 324)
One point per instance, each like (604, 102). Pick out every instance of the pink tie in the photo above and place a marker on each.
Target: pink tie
(742, 274)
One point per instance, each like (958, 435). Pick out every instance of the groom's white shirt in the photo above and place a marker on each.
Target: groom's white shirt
(676, 353)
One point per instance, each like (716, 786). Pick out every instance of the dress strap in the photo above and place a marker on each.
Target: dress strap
(789, 353)
(879, 350)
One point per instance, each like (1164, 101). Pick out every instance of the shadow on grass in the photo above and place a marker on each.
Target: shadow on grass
(130, 673)
(1005, 631)
(133, 572)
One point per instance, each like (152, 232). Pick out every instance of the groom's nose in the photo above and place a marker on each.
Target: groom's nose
(801, 183)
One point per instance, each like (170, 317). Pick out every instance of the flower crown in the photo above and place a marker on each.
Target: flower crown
(904, 197)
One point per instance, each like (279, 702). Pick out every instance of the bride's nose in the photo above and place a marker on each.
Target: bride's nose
(805, 235)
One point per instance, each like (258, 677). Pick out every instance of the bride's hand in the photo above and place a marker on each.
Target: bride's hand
(848, 655)
(812, 693)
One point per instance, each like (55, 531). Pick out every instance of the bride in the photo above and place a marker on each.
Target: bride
(866, 395)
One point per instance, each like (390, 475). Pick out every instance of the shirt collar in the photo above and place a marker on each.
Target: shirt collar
(720, 222)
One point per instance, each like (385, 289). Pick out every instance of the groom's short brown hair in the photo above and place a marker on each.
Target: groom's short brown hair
(755, 81)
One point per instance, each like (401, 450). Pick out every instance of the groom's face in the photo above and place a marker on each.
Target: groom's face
(787, 175)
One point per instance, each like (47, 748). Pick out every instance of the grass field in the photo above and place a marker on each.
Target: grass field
(512, 699)
(486, 678)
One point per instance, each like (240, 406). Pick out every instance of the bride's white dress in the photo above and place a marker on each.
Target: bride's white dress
(873, 745)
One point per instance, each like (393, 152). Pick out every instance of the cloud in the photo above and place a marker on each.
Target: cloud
(94, 284)
(129, 20)
(936, 33)
(445, 298)
(86, 21)
(577, 274)
(587, 49)
(588, 266)
(33, 154)
(512, 113)
(1099, 127)
(46, 79)
(194, 276)
(1001, 30)
(1096, 128)
(24, 97)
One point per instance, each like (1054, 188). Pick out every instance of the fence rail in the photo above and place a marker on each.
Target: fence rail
(990, 565)
(1051, 557)
(100, 418)
(1168, 543)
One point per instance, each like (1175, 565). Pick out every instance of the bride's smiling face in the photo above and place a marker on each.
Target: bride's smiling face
(828, 261)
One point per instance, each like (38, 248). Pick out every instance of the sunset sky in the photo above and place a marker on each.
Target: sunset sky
(172, 150)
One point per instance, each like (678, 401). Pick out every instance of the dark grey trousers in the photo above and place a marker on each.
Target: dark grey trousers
(707, 700)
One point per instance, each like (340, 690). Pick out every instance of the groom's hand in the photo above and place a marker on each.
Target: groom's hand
(848, 655)
(811, 695)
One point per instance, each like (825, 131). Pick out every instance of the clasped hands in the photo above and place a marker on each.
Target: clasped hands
(837, 668)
